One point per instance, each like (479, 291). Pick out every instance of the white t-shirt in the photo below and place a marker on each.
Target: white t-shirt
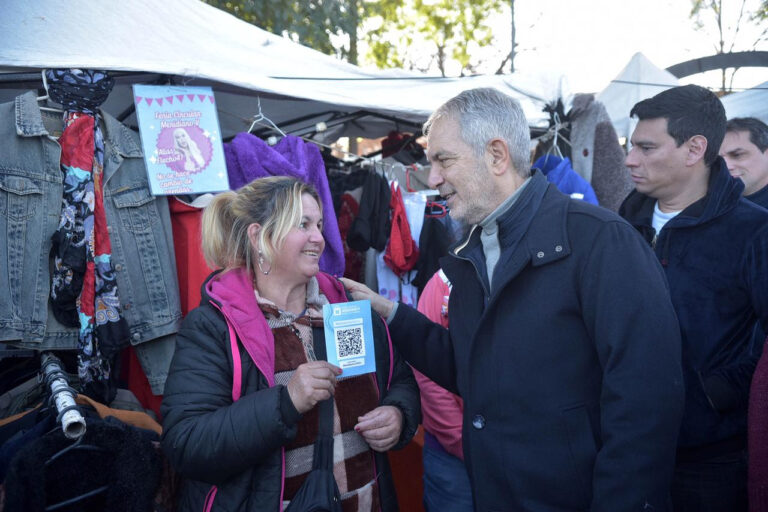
(660, 218)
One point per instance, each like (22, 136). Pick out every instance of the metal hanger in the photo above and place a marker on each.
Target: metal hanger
(263, 120)
(46, 97)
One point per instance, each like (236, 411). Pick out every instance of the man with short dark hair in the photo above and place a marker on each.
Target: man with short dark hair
(713, 245)
(745, 151)
(563, 341)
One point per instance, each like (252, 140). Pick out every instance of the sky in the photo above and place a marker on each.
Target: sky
(590, 41)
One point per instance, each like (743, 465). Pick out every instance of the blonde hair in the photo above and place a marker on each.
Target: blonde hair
(274, 203)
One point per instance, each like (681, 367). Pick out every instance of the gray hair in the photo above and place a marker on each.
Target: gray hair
(484, 114)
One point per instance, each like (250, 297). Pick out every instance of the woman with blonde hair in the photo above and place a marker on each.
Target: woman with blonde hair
(184, 144)
(242, 434)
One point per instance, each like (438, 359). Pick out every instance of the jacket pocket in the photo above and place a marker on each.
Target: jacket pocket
(583, 448)
(136, 208)
(19, 197)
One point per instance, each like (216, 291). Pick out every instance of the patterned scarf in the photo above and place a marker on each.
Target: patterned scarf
(84, 289)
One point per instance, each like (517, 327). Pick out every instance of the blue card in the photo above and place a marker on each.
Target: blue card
(181, 139)
(349, 337)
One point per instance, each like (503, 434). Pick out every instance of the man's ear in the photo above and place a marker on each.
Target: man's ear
(497, 154)
(697, 146)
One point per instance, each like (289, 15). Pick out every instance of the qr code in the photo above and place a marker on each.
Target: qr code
(350, 342)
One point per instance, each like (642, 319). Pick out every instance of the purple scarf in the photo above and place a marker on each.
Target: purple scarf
(248, 157)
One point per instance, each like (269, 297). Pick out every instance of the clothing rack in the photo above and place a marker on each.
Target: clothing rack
(72, 422)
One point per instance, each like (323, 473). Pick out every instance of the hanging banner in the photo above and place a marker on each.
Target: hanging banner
(181, 139)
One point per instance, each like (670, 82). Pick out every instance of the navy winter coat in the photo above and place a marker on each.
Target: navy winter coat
(715, 255)
(569, 368)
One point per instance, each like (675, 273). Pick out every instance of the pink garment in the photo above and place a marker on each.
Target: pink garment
(757, 482)
(441, 410)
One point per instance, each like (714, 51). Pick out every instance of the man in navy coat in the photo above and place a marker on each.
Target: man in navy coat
(713, 245)
(563, 341)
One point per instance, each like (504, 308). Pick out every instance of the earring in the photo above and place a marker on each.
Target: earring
(261, 262)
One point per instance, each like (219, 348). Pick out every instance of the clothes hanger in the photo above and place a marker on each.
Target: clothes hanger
(435, 209)
(263, 120)
(46, 97)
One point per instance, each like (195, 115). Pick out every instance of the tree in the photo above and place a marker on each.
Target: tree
(398, 31)
(513, 47)
(729, 18)
(313, 23)
(395, 32)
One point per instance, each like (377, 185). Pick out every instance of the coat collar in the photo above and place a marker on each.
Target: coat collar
(535, 226)
(232, 293)
(723, 193)
(29, 123)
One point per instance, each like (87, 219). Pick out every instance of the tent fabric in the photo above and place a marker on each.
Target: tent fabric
(750, 103)
(640, 79)
(197, 44)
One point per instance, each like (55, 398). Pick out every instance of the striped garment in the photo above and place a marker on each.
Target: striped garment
(354, 467)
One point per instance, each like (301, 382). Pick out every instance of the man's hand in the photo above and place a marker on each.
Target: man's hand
(380, 305)
(311, 383)
(381, 427)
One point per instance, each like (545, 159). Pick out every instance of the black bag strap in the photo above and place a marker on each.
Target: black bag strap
(323, 453)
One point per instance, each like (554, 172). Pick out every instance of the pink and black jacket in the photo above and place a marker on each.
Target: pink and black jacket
(217, 435)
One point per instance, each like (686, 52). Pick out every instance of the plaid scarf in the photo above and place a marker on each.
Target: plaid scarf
(84, 289)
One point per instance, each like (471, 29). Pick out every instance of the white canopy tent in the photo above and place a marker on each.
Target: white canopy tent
(640, 79)
(191, 43)
(750, 103)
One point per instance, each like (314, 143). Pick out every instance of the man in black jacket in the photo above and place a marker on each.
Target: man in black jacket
(713, 245)
(563, 341)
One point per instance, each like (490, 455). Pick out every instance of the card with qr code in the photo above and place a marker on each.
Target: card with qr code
(349, 337)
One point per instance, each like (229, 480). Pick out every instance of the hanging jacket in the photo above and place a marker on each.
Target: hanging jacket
(715, 256)
(248, 157)
(139, 226)
(371, 227)
(245, 458)
(560, 173)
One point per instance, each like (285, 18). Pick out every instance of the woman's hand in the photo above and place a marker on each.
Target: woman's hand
(381, 427)
(380, 305)
(311, 383)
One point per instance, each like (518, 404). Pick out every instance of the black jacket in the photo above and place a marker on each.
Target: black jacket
(237, 446)
(715, 256)
(569, 368)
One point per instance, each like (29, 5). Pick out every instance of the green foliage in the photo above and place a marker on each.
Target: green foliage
(311, 23)
(762, 11)
(416, 34)
(451, 28)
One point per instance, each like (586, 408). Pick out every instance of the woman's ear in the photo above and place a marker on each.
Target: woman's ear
(253, 235)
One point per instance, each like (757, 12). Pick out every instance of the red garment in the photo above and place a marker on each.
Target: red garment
(191, 268)
(401, 253)
(757, 425)
(441, 410)
(353, 267)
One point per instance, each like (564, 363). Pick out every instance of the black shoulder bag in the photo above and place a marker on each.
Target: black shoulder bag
(319, 492)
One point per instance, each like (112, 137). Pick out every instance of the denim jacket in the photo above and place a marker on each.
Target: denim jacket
(30, 205)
